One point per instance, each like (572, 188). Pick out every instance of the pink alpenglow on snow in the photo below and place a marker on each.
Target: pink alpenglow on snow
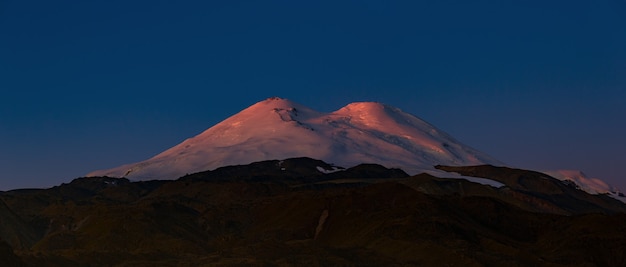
(587, 184)
(591, 185)
(276, 128)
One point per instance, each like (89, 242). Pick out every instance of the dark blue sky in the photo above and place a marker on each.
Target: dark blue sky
(89, 85)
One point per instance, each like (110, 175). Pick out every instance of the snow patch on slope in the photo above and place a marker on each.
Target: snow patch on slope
(455, 175)
(325, 171)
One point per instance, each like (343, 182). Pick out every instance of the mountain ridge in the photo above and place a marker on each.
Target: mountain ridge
(303, 212)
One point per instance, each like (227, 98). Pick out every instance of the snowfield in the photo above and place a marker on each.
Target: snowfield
(363, 132)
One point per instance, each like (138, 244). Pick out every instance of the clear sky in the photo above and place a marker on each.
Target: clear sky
(88, 85)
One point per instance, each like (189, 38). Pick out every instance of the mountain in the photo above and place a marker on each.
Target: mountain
(591, 185)
(540, 192)
(265, 187)
(306, 212)
(276, 128)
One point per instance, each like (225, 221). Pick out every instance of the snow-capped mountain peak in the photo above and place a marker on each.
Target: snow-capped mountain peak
(277, 128)
(582, 181)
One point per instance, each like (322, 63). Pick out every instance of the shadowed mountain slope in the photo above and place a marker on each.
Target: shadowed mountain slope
(305, 212)
(545, 191)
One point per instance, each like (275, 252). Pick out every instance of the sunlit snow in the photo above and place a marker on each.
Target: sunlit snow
(364, 132)
(587, 184)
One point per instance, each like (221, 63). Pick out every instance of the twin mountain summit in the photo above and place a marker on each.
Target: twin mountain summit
(361, 132)
(280, 184)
